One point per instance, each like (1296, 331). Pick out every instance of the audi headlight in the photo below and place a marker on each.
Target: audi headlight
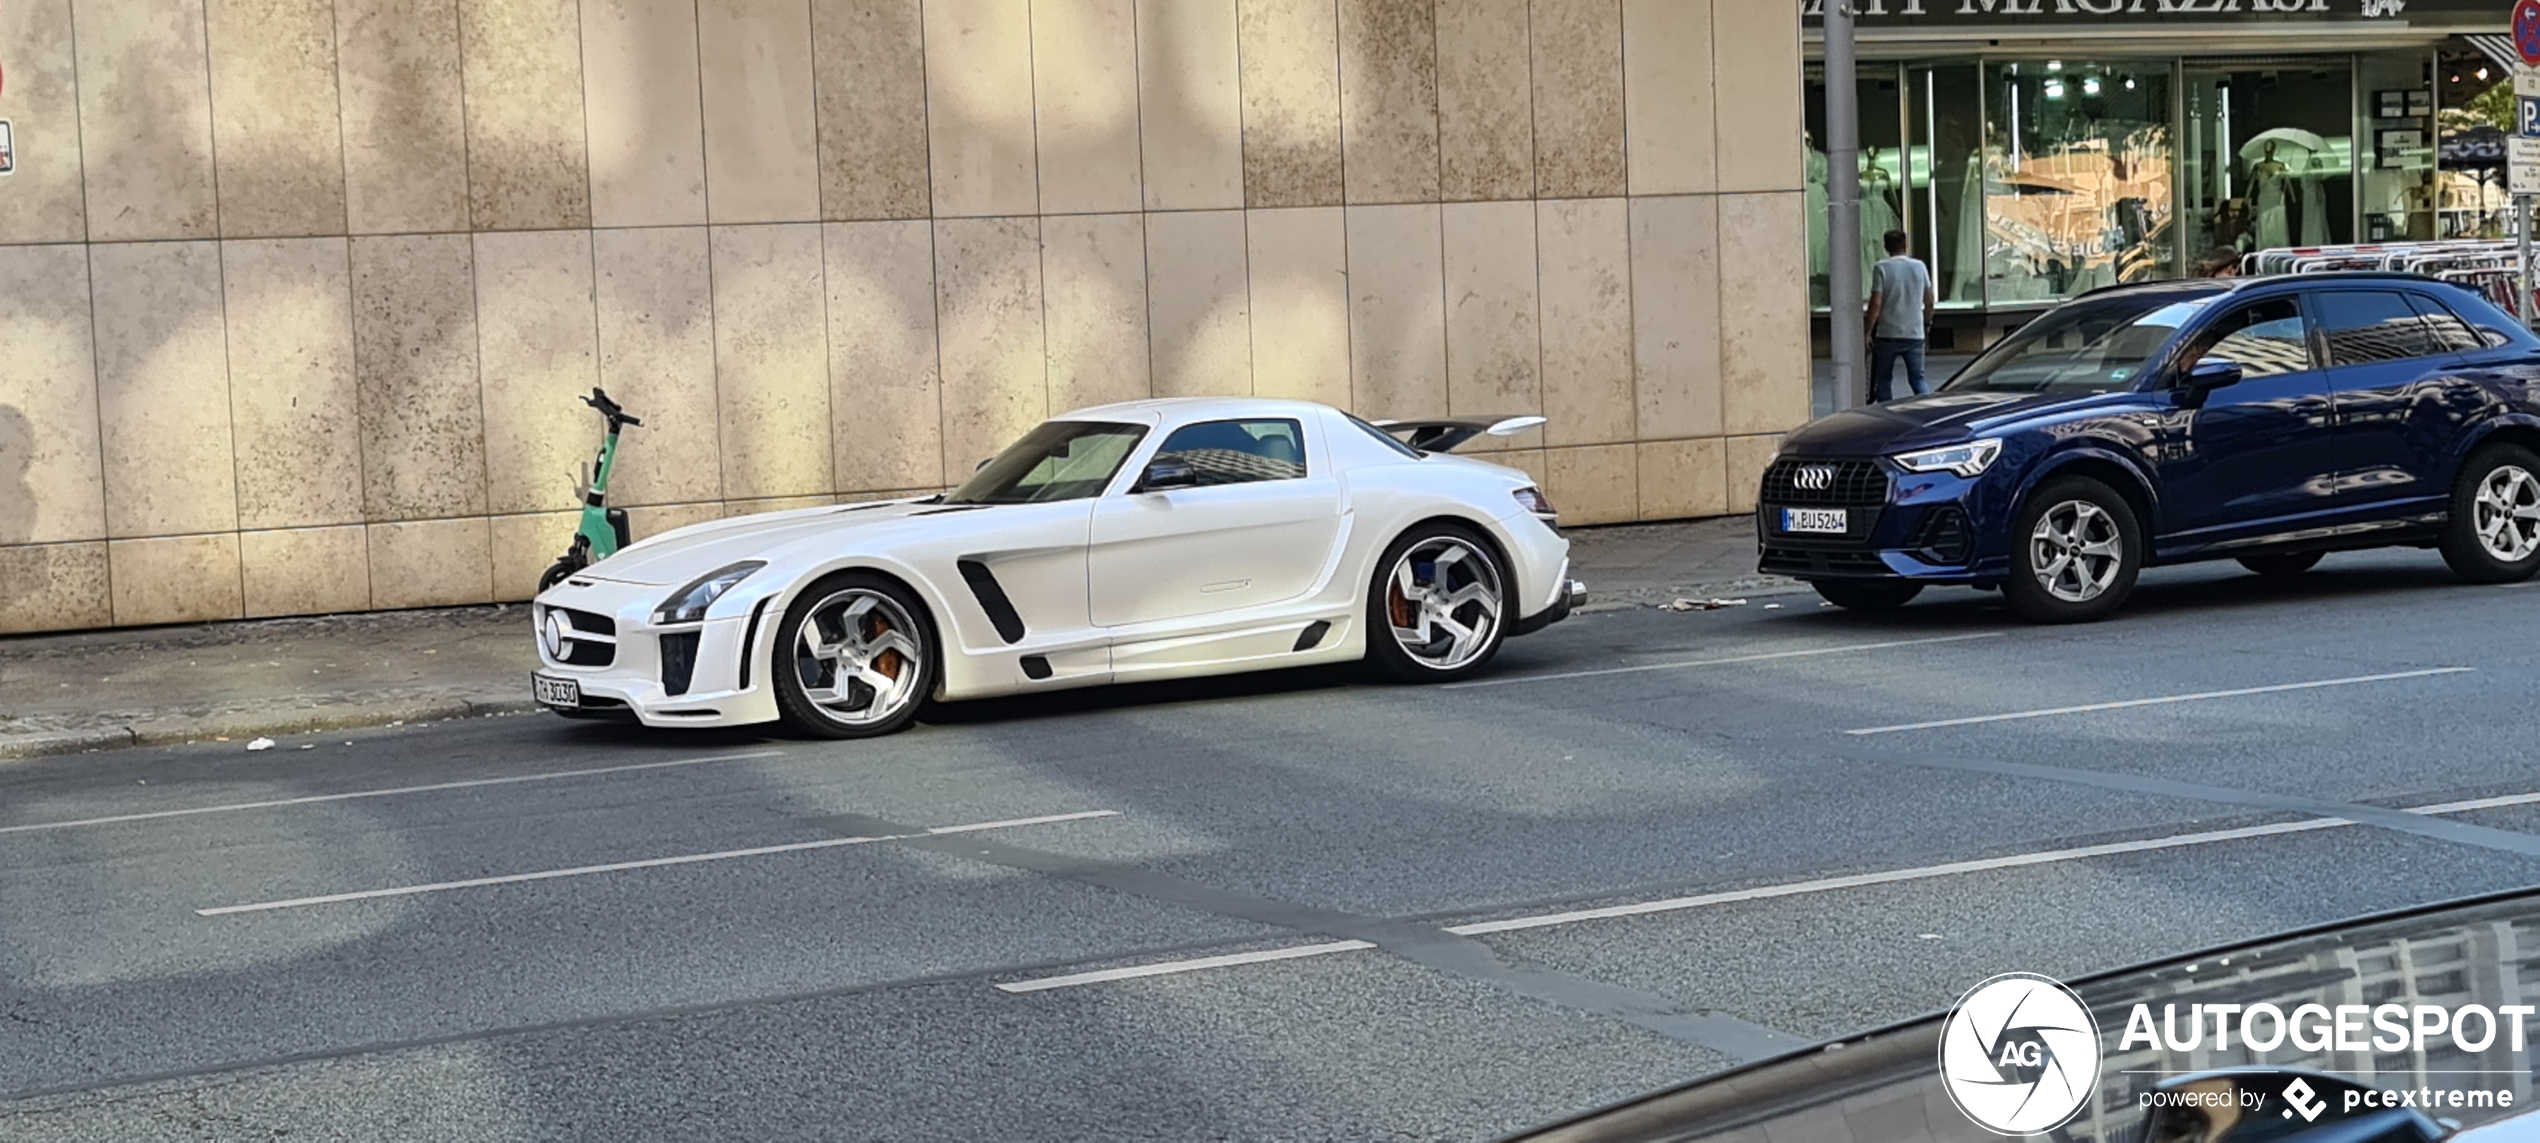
(1969, 459)
(689, 604)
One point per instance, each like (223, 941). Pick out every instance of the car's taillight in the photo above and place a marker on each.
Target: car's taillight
(1536, 502)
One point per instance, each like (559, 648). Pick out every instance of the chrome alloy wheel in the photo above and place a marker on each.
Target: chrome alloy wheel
(857, 657)
(2075, 551)
(1443, 602)
(2507, 509)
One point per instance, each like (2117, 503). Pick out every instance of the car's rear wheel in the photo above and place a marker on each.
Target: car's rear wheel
(2075, 551)
(2494, 532)
(853, 658)
(1867, 594)
(2282, 564)
(1437, 607)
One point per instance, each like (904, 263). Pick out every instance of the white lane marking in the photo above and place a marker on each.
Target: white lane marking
(1169, 967)
(648, 863)
(1756, 658)
(2161, 700)
(1760, 893)
(312, 799)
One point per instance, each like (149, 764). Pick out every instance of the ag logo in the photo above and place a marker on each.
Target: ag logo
(2019, 1054)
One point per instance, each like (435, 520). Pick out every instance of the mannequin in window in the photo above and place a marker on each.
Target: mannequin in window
(1878, 214)
(2267, 198)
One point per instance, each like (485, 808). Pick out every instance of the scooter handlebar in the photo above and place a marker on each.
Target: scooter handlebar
(616, 415)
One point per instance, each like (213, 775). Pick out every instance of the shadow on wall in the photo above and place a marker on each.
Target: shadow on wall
(17, 456)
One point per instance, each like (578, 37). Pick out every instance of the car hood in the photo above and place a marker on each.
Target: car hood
(1934, 419)
(681, 555)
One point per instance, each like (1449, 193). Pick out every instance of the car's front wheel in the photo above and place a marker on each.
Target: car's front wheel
(2075, 550)
(1867, 594)
(853, 659)
(1437, 606)
(2494, 532)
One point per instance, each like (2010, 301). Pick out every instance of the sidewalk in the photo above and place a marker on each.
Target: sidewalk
(100, 690)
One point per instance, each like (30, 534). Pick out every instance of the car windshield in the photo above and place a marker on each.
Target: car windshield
(2089, 346)
(1061, 460)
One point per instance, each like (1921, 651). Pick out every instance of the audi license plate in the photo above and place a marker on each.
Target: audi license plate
(1815, 520)
(563, 693)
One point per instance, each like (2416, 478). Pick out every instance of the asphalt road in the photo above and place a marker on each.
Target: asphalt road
(1355, 911)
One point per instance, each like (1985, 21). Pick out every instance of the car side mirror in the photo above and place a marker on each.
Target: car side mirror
(2206, 377)
(983, 465)
(1167, 474)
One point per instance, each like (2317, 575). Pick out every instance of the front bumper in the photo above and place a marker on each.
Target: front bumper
(1927, 527)
(692, 674)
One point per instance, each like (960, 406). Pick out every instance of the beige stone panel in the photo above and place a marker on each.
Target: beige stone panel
(1593, 484)
(643, 109)
(1755, 74)
(1290, 72)
(44, 203)
(1494, 350)
(1397, 312)
(1389, 100)
(1676, 317)
(771, 360)
(431, 563)
(1486, 129)
(145, 120)
(162, 388)
(53, 587)
(1300, 303)
(414, 360)
(762, 154)
(885, 401)
(1746, 458)
(1578, 97)
(278, 146)
(995, 370)
(1586, 250)
(1529, 461)
(1682, 480)
(305, 571)
(1190, 105)
(175, 579)
(979, 107)
(537, 350)
(1085, 100)
(644, 523)
(1094, 275)
(1199, 306)
(293, 401)
(869, 69)
(1764, 339)
(524, 547)
(405, 122)
(1667, 97)
(656, 327)
(526, 147)
(49, 451)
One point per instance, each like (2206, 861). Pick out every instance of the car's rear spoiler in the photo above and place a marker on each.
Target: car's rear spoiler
(1442, 434)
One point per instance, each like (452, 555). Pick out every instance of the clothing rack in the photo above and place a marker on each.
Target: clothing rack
(2490, 266)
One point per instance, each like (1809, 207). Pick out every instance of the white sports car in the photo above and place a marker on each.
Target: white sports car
(1149, 540)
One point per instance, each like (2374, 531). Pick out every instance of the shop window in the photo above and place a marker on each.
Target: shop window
(2077, 159)
(2266, 155)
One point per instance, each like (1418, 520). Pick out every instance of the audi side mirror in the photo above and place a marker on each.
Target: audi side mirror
(2206, 377)
(1164, 475)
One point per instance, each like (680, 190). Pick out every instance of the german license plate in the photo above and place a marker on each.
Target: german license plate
(562, 693)
(1832, 520)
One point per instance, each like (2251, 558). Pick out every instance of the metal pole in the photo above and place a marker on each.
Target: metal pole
(2522, 258)
(1843, 207)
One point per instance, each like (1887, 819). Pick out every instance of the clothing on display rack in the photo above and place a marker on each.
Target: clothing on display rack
(1878, 214)
(1966, 271)
(1815, 204)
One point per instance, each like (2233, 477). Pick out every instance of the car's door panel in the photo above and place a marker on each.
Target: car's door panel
(1215, 549)
(2384, 367)
(2255, 455)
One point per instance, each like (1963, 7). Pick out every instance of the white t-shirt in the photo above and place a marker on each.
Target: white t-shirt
(1899, 282)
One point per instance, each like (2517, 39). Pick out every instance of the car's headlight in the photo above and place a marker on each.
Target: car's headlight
(689, 604)
(1969, 459)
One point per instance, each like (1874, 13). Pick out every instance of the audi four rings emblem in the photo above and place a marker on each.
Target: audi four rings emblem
(1813, 477)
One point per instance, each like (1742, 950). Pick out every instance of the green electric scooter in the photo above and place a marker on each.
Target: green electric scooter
(603, 529)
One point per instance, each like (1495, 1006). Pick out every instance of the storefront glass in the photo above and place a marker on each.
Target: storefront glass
(1945, 183)
(1883, 172)
(2077, 156)
(2266, 157)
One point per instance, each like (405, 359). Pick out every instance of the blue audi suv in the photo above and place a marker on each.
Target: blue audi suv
(2267, 420)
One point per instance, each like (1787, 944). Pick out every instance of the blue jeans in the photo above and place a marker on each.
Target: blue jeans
(1885, 352)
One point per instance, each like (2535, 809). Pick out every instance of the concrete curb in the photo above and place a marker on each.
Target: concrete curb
(177, 729)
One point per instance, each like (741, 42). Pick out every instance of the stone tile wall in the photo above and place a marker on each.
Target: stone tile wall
(296, 295)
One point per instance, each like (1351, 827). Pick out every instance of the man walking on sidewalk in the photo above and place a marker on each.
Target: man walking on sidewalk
(1901, 302)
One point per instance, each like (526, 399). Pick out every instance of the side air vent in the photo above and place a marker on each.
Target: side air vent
(991, 595)
(749, 639)
(678, 661)
(1312, 636)
(1036, 666)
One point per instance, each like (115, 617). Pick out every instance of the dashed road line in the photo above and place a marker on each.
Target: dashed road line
(2162, 700)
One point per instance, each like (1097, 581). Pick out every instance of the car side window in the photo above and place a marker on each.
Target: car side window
(2263, 338)
(2450, 333)
(1238, 452)
(2364, 326)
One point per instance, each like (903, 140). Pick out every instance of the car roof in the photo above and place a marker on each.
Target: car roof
(2209, 287)
(1183, 409)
